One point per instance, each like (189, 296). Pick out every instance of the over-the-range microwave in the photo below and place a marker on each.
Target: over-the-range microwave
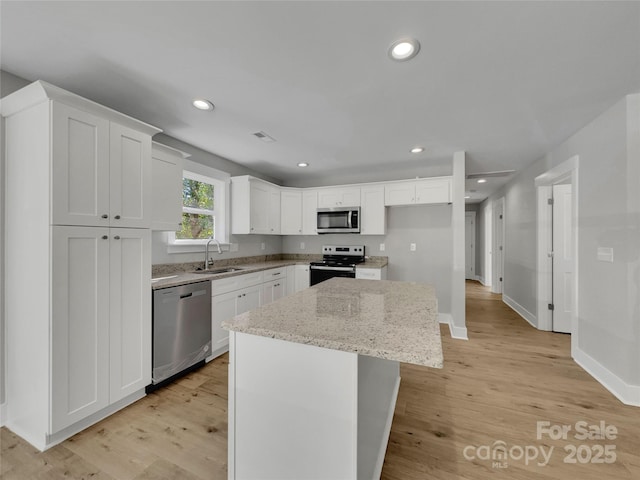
(339, 220)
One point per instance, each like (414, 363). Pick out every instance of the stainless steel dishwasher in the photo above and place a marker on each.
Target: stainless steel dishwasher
(181, 329)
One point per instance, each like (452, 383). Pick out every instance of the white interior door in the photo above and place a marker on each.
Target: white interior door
(498, 247)
(470, 245)
(488, 237)
(562, 259)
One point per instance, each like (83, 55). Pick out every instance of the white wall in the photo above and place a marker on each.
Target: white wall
(609, 216)
(248, 245)
(9, 83)
(428, 226)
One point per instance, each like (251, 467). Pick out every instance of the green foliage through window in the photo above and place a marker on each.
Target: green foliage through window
(198, 221)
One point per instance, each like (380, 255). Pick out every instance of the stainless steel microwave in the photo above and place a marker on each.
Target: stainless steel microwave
(339, 220)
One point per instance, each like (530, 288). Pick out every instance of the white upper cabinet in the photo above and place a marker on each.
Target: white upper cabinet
(309, 212)
(80, 170)
(423, 191)
(101, 171)
(166, 187)
(130, 178)
(373, 218)
(255, 206)
(291, 212)
(339, 197)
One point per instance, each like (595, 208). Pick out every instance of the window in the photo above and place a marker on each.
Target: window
(203, 212)
(198, 212)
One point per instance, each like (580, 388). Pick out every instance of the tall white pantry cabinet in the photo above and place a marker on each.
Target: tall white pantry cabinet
(78, 262)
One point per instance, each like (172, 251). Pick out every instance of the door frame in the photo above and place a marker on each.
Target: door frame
(471, 214)
(498, 239)
(487, 272)
(567, 170)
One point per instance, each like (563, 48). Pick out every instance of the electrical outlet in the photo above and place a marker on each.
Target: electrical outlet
(382, 247)
(302, 246)
(233, 247)
(262, 246)
(412, 247)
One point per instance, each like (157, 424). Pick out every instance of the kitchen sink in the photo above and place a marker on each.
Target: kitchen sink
(213, 271)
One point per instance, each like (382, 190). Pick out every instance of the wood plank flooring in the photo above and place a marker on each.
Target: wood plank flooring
(494, 388)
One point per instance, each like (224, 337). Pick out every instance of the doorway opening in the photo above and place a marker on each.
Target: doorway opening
(557, 194)
(470, 245)
(497, 282)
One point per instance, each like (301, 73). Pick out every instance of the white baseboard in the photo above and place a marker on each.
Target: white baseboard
(520, 310)
(627, 394)
(456, 332)
(482, 281)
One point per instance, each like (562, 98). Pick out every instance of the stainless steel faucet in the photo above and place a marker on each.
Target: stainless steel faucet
(206, 252)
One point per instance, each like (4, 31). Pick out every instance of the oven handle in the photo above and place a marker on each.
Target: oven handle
(334, 269)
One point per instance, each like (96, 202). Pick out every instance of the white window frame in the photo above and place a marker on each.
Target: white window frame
(221, 182)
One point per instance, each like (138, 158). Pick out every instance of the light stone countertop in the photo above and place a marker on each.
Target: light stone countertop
(173, 279)
(168, 275)
(378, 318)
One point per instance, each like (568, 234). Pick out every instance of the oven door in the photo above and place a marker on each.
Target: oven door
(320, 273)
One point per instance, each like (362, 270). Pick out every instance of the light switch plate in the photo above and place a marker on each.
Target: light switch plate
(412, 247)
(262, 246)
(233, 247)
(302, 246)
(605, 254)
(382, 247)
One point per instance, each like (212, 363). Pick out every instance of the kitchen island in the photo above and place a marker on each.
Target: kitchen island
(313, 377)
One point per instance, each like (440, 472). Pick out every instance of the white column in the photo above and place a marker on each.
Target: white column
(458, 327)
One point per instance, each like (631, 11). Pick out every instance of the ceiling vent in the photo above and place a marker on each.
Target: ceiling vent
(264, 137)
(503, 173)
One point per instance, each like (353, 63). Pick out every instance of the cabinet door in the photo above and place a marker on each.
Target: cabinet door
(302, 277)
(329, 198)
(79, 324)
(291, 212)
(130, 311)
(433, 190)
(80, 167)
(273, 291)
(166, 188)
(350, 197)
(259, 197)
(400, 193)
(310, 212)
(373, 213)
(250, 299)
(274, 211)
(223, 307)
(130, 177)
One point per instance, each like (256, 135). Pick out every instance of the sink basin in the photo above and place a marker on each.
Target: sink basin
(213, 271)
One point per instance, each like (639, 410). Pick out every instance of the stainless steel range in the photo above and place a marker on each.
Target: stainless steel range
(337, 261)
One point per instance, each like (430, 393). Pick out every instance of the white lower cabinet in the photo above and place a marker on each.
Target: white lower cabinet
(302, 279)
(230, 297)
(101, 320)
(273, 290)
(226, 306)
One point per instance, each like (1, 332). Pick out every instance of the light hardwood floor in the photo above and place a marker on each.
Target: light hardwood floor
(495, 387)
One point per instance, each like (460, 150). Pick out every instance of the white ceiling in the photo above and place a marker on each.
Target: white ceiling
(504, 81)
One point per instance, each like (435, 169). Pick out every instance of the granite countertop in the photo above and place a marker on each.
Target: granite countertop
(378, 318)
(168, 279)
(172, 275)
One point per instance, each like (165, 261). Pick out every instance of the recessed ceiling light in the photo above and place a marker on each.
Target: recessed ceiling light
(202, 104)
(467, 196)
(404, 49)
(303, 164)
(417, 150)
(482, 180)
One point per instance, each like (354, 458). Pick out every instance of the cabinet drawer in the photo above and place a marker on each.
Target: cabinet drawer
(275, 273)
(225, 285)
(369, 273)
